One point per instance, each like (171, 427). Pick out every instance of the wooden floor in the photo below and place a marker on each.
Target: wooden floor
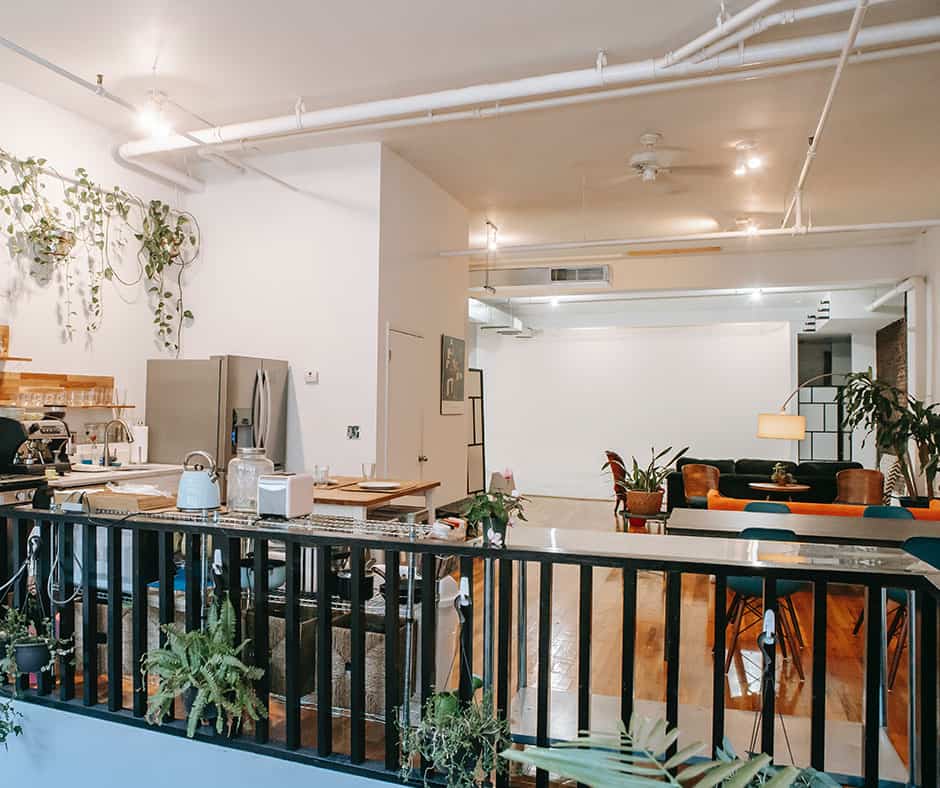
(845, 651)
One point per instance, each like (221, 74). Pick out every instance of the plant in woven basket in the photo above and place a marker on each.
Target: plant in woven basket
(9, 721)
(205, 668)
(635, 756)
(462, 742)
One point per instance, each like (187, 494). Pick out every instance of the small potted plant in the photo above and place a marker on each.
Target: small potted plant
(205, 669)
(461, 742)
(491, 514)
(644, 486)
(780, 474)
(28, 643)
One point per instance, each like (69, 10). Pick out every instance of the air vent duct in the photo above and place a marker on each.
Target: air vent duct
(503, 278)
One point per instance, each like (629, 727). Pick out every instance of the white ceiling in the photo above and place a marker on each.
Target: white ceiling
(238, 60)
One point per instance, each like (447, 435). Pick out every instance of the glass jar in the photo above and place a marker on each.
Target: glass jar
(242, 485)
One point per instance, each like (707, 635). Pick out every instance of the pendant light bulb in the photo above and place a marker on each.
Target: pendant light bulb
(152, 118)
(492, 240)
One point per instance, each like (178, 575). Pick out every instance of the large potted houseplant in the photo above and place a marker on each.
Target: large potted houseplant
(644, 485)
(896, 420)
(490, 514)
(461, 742)
(205, 669)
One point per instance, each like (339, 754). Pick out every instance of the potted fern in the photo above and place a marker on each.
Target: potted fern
(205, 669)
(461, 742)
(491, 514)
(644, 486)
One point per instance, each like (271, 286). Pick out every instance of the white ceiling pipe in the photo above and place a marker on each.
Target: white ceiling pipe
(850, 39)
(919, 224)
(906, 286)
(788, 17)
(485, 113)
(583, 79)
(720, 30)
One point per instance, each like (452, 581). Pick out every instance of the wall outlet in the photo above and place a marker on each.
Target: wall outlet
(352, 432)
(312, 377)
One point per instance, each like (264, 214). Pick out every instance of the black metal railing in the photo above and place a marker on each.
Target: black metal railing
(360, 740)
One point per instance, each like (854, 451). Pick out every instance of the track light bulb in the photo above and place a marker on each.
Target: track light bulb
(754, 162)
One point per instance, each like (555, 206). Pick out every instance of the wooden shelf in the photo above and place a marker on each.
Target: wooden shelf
(14, 358)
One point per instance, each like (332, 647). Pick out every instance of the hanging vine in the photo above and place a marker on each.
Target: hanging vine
(97, 223)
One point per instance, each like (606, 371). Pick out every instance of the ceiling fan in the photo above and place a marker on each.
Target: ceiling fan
(655, 161)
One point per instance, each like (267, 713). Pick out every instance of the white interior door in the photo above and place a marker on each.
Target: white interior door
(406, 390)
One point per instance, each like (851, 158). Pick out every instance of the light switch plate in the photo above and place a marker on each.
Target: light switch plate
(352, 432)
(312, 377)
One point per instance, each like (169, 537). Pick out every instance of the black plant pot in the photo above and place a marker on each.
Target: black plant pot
(31, 657)
(209, 714)
(494, 532)
(921, 502)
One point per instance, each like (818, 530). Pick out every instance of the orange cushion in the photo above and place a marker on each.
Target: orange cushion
(935, 503)
(717, 501)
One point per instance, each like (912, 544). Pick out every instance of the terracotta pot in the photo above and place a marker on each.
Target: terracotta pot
(644, 502)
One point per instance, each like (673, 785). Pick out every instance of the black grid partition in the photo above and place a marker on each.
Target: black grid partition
(825, 437)
(359, 740)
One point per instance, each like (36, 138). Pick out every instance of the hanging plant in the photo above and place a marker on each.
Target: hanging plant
(169, 243)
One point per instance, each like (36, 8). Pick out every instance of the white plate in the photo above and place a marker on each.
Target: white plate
(83, 468)
(378, 485)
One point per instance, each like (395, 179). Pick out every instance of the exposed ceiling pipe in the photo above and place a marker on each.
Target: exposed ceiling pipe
(920, 224)
(850, 39)
(721, 29)
(584, 79)
(788, 17)
(615, 93)
(904, 287)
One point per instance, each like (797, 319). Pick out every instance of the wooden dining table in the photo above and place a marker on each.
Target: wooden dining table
(344, 497)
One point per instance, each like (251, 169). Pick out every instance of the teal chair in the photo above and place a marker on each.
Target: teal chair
(888, 512)
(927, 549)
(749, 593)
(767, 506)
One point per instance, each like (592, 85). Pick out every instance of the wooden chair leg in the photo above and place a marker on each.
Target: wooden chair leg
(738, 604)
(899, 649)
(786, 634)
(796, 622)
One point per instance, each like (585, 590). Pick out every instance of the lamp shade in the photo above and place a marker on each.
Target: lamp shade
(781, 425)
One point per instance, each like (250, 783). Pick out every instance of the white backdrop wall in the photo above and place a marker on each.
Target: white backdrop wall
(427, 295)
(295, 276)
(34, 127)
(555, 403)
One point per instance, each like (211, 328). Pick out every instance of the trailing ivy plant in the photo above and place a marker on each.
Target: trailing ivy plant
(169, 243)
(95, 222)
(9, 721)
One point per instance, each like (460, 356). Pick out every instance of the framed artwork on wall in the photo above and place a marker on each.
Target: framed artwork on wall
(453, 364)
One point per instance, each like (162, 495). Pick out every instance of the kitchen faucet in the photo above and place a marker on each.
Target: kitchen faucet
(107, 446)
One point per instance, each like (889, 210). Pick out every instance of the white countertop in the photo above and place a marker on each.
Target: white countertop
(96, 479)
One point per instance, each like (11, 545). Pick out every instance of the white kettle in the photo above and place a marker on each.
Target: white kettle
(199, 485)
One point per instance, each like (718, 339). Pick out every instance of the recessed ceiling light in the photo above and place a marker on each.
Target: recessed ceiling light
(740, 169)
(756, 295)
(754, 162)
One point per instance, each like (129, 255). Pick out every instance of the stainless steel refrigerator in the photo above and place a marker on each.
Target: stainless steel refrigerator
(217, 405)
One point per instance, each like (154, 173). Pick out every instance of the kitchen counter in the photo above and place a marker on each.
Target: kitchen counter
(147, 471)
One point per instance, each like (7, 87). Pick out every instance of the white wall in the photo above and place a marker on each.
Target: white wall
(554, 404)
(34, 127)
(59, 748)
(928, 250)
(427, 295)
(295, 276)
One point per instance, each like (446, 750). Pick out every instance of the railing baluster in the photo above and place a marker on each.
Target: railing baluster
(504, 643)
(89, 615)
(872, 732)
(261, 635)
(292, 646)
(357, 642)
(585, 609)
(393, 666)
(167, 597)
(428, 626)
(544, 665)
(138, 624)
(465, 688)
(673, 625)
(324, 653)
(817, 757)
(720, 618)
(192, 573)
(20, 540)
(66, 559)
(4, 556)
(115, 633)
(928, 688)
(628, 636)
(231, 561)
(769, 671)
(43, 568)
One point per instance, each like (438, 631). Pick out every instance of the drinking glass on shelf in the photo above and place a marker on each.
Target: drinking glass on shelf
(368, 471)
(321, 475)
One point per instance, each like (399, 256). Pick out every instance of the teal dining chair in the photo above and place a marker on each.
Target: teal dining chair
(748, 596)
(888, 512)
(767, 506)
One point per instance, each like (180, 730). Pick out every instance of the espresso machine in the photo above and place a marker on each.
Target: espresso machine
(33, 447)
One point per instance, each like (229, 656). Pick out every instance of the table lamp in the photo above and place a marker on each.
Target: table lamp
(783, 425)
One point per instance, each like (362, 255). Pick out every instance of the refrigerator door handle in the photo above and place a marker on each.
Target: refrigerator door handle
(256, 408)
(267, 409)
